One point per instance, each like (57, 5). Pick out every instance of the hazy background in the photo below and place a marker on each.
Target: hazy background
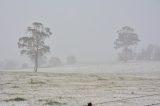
(84, 28)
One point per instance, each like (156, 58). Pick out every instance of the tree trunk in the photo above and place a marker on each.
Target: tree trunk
(36, 54)
(126, 54)
(36, 62)
(35, 66)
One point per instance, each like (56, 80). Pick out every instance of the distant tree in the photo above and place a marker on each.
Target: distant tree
(141, 55)
(131, 55)
(71, 60)
(126, 38)
(55, 61)
(9, 64)
(150, 53)
(25, 65)
(1, 64)
(42, 61)
(33, 44)
(157, 54)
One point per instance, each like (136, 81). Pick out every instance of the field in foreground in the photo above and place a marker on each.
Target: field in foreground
(77, 89)
(45, 89)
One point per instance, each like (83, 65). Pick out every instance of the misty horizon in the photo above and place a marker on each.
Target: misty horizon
(85, 29)
(79, 52)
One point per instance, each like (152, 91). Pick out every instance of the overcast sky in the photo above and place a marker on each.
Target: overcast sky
(84, 28)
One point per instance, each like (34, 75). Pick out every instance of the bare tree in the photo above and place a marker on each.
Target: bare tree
(33, 44)
(126, 38)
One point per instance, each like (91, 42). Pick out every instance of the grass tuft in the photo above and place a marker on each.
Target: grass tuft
(16, 99)
(36, 82)
(51, 102)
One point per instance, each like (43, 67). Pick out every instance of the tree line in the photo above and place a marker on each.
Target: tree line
(128, 40)
(33, 45)
(43, 62)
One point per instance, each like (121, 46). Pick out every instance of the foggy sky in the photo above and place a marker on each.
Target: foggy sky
(84, 28)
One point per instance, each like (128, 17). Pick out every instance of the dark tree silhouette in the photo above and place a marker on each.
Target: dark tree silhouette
(33, 44)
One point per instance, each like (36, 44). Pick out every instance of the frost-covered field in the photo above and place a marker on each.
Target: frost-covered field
(116, 84)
